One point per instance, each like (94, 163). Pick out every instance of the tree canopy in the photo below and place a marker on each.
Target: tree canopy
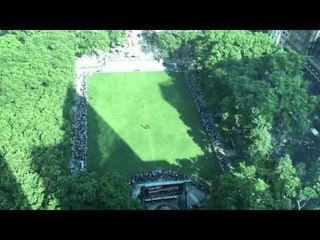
(261, 95)
(37, 74)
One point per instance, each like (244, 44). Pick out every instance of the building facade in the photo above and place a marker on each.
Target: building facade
(279, 36)
(306, 42)
(303, 41)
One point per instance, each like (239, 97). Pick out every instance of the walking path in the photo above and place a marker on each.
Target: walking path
(132, 58)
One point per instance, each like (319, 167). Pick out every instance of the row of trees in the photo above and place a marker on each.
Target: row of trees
(258, 94)
(37, 74)
(280, 186)
(91, 41)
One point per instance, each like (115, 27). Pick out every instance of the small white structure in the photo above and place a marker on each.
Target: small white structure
(314, 131)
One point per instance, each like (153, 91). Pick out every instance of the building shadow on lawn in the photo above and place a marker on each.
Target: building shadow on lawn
(107, 151)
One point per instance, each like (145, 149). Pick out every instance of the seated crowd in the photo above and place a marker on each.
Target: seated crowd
(163, 175)
(156, 175)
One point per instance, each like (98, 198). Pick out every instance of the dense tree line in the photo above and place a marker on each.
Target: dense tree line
(89, 42)
(258, 94)
(37, 74)
(88, 191)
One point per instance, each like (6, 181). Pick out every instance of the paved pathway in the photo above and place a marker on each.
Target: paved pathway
(133, 58)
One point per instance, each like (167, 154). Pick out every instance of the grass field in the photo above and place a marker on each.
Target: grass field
(120, 102)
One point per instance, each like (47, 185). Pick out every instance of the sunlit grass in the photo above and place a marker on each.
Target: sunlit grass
(120, 102)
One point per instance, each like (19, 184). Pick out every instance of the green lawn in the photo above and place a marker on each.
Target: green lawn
(120, 102)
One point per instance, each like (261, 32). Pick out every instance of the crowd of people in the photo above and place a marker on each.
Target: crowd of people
(163, 175)
(124, 54)
(80, 136)
(200, 186)
(156, 175)
(205, 116)
(79, 149)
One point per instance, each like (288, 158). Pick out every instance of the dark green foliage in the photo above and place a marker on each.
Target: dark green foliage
(255, 91)
(170, 42)
(21, 35)
(215, 46)
(114, 193)
(241, 189)
(260, 94)
(281, 188)
(87, 191)
(117, 37)
(89, 41)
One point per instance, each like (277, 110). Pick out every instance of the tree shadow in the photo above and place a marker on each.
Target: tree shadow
(206, 165)
(203, 168)
(12, 196)
(183, 103)
(308, 152)
(146, 47)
